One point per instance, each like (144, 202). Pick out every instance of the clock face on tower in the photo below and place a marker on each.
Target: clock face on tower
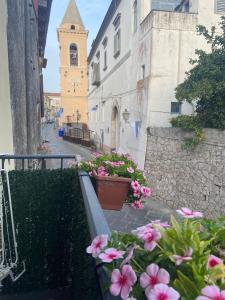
(74, 84)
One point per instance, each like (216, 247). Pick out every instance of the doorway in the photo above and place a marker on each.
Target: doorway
(115, 129)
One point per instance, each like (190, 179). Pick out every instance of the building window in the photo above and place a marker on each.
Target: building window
(117, 36)
(73, 55)
(98, 55)
(135, 16)
(143, 72)
(116, 22)
(220, 6)
(176, 107)
(105, 60)
(166, 5)
(117, 43)
(72, 27)
(104, 43)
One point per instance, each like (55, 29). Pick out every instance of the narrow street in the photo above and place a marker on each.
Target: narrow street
(128, 218)
(56, 145)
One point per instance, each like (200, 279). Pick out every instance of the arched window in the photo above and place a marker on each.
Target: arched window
(73, 55)
(72, 27)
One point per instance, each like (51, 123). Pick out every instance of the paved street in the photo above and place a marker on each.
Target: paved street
(124, 220)
(57, 145)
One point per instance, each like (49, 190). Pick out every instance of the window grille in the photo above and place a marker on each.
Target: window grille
(220, 6)
(176, 108)
(135, 16)
(117, 43)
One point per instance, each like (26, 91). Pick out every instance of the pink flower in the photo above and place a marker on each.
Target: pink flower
(137, 194)
(188, 213)
(211, 292)
(117, 163)
(150, 238)
(213, 261)
(163, 292)
(123, 281)
(137, 205)
(185, 257)
(102, 171)
(130, 170)
(153, 276)
(111, 254)
(160, 224)
(129, 255)
(146, 192)
(135, 185)
(97, 154)
(97, 245)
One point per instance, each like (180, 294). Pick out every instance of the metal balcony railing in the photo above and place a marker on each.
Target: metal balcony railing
(35, 161)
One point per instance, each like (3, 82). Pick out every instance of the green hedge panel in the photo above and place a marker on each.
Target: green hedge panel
(52, 233)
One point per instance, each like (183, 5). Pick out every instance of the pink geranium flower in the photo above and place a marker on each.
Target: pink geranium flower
(211, 292)
(163, 292)
(136, 185)
(150, 238)
(146, 192)
(153, 276)
(137, 205)
(111, 254)
(185, 257)
(122, 281)
(213, 261)
(130, 170)
(97, 245)
(188, 213)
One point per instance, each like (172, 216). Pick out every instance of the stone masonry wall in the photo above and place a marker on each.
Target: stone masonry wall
(187, 178)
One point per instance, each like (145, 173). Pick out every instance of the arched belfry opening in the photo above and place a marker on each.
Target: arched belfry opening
(73, 55)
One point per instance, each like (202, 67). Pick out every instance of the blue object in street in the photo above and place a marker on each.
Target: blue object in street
(61, 132)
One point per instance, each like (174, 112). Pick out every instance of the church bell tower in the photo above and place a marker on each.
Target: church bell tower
(72, 38)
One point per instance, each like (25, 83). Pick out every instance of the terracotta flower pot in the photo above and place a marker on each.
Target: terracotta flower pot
(112, 191)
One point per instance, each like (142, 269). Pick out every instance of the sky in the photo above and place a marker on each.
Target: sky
(92, 13)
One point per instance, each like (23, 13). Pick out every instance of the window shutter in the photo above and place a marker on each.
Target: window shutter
(119, 40)
(220, 6)
(115, 43)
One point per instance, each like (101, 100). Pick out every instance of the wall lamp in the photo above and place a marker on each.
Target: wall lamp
(126, 115)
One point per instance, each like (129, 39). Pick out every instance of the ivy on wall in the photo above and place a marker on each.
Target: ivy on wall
(52, 233)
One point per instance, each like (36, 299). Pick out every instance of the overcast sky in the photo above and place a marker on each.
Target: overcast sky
(92, 13)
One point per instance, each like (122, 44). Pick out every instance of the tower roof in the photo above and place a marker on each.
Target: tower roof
(72, 15)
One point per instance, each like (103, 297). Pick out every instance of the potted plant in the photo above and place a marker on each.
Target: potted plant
(159, 261)
(117, 180)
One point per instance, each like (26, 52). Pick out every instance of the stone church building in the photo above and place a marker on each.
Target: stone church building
(72, 38)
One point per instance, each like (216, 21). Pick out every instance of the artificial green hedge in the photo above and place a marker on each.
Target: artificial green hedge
(52, 233)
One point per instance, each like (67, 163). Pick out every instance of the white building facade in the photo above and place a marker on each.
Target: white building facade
(140, 55)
